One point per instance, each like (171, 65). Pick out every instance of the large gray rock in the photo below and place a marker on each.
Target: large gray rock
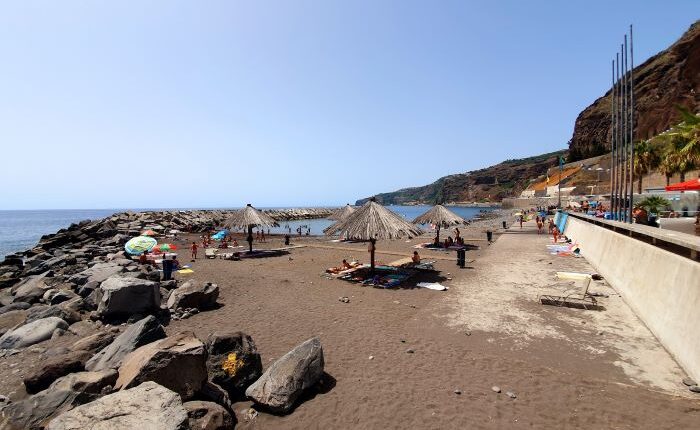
(282, 384)
(138, 334)
(96, 341)
(177, 362)
(55, 296)
(34, 332)
(65, 393)
(31, 290)
(233, 362)
(148, 406)
(41, 311)
(194, 295)
(121, 297)
(53, 368)
(52, 263)
(14, 307)
(97, 273)
(208, 416)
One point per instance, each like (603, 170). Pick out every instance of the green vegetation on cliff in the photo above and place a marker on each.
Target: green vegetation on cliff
(506, 179)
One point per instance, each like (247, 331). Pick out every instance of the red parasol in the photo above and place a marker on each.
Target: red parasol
(691, 185)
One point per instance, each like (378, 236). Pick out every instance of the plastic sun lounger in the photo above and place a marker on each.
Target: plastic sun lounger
(584, 301)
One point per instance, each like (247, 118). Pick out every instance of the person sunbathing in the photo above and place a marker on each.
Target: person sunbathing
(345, 265)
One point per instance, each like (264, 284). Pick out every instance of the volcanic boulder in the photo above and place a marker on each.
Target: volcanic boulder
(64, 394)
(208, 416)
(54, 368)
(194, 295)
(119, 297)
(282, 384)
(148, 406)
(234, 362)
(34, 332)
(138, 334)
(177, 362)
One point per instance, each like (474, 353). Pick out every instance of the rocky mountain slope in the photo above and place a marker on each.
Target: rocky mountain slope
(506, 179)
(668, 79)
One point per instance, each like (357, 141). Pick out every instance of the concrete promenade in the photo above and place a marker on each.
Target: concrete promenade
(576, 368)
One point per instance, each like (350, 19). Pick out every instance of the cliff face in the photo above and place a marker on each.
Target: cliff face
(506, 179)
(666, 80)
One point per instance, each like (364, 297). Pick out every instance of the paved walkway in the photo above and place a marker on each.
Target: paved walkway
(500, 296)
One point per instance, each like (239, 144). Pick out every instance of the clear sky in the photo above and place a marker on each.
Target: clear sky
(219, 103)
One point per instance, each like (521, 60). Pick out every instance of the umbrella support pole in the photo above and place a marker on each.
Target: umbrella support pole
(371, 253)
(250, 238)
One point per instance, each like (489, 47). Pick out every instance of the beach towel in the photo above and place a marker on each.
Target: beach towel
(432, 286)
(185, 271)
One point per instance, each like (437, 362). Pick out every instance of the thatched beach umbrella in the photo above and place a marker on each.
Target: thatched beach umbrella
(441, 217)
(371, 222)
(343, 213)
(250, 217)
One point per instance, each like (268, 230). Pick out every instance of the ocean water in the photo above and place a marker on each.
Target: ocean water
(21, 230)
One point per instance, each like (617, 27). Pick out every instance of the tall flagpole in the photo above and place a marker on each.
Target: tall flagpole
(620, 146)
(628, 174)
(631, 124)
(613, 170)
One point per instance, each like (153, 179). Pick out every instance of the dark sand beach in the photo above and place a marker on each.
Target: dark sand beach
(567, 368)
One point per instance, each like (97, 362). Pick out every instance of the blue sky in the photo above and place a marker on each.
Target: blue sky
(220, 103)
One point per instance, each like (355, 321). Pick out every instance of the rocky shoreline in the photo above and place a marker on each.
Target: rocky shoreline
(80, 281)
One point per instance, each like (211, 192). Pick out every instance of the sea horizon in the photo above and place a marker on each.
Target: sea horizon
(21, 229)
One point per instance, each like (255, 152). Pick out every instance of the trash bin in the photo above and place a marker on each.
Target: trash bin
(461, 257)
(489, 236)
(504, 225)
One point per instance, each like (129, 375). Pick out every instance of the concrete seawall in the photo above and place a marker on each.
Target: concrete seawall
(662, 287)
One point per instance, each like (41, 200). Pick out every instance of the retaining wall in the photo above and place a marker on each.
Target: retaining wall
(661, 287)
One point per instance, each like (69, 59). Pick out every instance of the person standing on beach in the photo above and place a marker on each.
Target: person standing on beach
(167, 268)
(456, 233)
(193, 248)
(262, 236)
(520, 220)
(555, 234)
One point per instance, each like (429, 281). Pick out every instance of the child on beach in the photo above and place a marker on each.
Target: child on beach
(194, 248)
(555, 233)
(416, 257)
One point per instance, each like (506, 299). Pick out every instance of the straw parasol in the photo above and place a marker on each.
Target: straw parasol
(250, 217)
(371, 222)
(441, 217)
(343, 213)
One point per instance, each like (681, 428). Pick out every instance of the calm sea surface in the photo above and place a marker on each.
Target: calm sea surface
(21, 230)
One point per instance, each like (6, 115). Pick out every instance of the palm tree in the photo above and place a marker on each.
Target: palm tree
(646, 159)
(653, 203)
(667, 166)
(679, 156)
(688, 133)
